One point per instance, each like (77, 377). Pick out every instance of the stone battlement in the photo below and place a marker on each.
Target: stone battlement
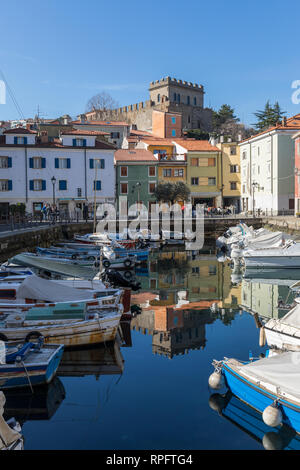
(174, 81)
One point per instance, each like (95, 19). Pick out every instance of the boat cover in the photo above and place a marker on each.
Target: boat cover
(54, 266)
(265, 240)
(34, 287)
(281, 370)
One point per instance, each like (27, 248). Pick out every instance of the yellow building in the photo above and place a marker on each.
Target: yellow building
(231, 174)
(204, 177)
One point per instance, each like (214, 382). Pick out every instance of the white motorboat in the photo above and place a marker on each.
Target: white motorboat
(258, 242)
(284, 333)
(287, 256)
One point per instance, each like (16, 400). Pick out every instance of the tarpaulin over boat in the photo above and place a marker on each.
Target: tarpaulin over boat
(292, 318)
(280, 370)
(34, 287)
(265, 240)
(69, 270)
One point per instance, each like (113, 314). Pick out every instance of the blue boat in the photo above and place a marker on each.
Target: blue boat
(29, 365)
(270, 385)
(250, 421)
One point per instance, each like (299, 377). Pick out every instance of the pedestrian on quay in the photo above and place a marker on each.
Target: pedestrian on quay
(85, 213)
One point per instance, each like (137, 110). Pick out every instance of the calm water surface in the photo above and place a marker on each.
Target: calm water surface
(153, 392)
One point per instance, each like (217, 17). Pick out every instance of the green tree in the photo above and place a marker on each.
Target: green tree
(197, 134)
(268, 117)
(171, 192)
(225, 114)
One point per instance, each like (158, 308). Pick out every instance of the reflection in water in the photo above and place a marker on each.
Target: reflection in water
(40, 405)
(101, 360)
(183, 292)
(250, 421)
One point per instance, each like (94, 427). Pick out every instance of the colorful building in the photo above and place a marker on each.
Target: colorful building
(296, 138)
(136, 176)
(204, 172)
(268, 169)
(231, 174)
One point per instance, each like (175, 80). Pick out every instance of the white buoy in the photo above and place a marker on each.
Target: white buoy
(272, 441)
(216, 380)
(272, 416)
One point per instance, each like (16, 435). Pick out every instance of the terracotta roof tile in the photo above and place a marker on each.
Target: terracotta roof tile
(194, 145)
(134, 155)
(19, 130)
(83, 132)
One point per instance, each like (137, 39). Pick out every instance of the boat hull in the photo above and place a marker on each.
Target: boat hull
(13, 376)
(272, 262)
(260, 398)
(71, 334)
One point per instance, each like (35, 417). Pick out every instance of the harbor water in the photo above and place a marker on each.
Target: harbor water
(149, 390)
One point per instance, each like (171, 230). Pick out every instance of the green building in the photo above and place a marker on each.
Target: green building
(136, 177)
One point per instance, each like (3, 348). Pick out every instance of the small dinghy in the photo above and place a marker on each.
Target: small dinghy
(270, 385)
(29, 364)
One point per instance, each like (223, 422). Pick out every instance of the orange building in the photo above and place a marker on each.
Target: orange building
(166, 125)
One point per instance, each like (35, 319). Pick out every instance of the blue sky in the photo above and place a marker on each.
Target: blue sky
(57, 54)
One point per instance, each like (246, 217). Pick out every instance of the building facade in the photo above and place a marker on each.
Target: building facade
(268, 169)
(136, 177)
(203, 170)
(231, 174)
(68, 172)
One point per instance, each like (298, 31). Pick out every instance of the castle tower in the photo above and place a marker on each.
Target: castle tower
(172, 95)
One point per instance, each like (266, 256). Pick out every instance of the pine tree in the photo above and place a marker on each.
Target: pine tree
(268, 117)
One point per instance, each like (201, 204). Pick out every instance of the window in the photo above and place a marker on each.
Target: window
(124, 188)
(188, 100)
(179, 172)
(167, 172)
(79, 142)
(152, 187)
(194, 161)
(158, 98)
(233, 150)
(234, 168)
(178, 98)
(194, 181)
(62, 185)
(211, 181)
(244, 155)
(37, 163)
(97, 185)
(175, 96)
(195, 269)
(37, 185)
(212, 270)
(195, 101)
(5, 185)
(173, 133)
(115, 135)
(207, 162)
(233, 186)
(5, 162)
(173, 119)
(151, 171)
(258, 151)
(124, 171)
(20, 140)
(98, 163)
(62, 163)
(79, 192)
(211, 162)
(244, 188)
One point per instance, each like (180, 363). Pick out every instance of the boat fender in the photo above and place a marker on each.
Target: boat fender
(74, 256)
(262, 337)
(272, 441)
(217, 402)
(216, 380)
(127, 262)
(272, 415)
(91, 258)
(33, 335)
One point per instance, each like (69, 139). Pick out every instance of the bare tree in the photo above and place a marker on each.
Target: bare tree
(103, 104)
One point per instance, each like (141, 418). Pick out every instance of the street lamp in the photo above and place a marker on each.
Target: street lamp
(53, 181)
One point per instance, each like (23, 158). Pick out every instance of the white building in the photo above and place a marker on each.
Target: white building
(267, 169)
(116, 130)
(77, 160)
